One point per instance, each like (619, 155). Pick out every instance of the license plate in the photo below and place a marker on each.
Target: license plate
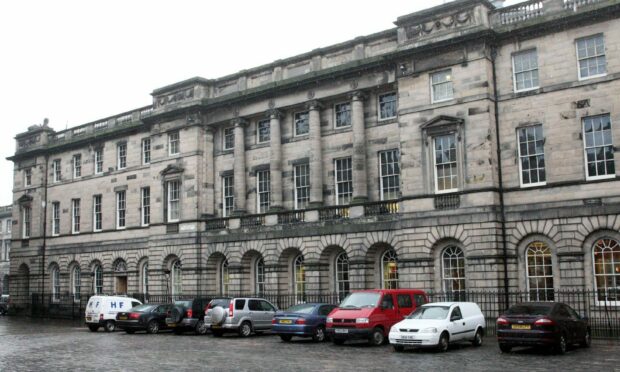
(521, 326)
(122, 317)
(341, 330)
(286, 321)
(405, 337)
(88, 319)
(215, 326)
(171, 325)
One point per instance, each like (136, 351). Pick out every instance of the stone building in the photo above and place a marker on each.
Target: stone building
(470, 147)
(5, 247)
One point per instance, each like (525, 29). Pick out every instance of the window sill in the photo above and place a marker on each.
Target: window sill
(526, 90)
(580, 78)
(442, 100)
(605, 177)
(386, 119)
(530, 185)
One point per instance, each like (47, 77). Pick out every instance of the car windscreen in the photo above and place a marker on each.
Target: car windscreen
(221, 302)
(143, 308)
(360, 299)
(183, 303)
(529, 309)
(430, 312)
(302, 308)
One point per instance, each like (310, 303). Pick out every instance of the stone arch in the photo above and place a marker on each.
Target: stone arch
(441, 233)
(374, 268)
(437, 252)
(253, 279)
(297, 242)
(523, 229)
(20, 288)
(215, 272)
(594, 224)
(378, 238)
(587, 249)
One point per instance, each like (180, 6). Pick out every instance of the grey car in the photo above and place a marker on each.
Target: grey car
(243, 315)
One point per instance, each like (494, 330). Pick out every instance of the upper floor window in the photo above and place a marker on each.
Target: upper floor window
(302, 123)
(229, 138)
(75, 216)
(263, 131)
(56, 218)
(228, 195)
(263, 187)
(302, 185)
(173, 194)
(146, 151)
(98, 161)
(598, 145)
(389, 168)
(591, 56)
(27, 177)
(525, 70)
(56, 170)
(343, 114)
(26, 219)
(8, 225)
(145, 207)
(532, 155)
(77, 166)
(97, 213)
(121, 209)
(343, 176)
(121, 152)
(441, 84)
(387, 106)
(446, 172)
(174, 143)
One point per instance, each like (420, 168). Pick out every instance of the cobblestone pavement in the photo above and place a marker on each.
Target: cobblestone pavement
(51, 345)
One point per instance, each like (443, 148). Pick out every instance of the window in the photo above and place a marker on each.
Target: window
(302, 123)
(591, 56)
(56, 170)
(98, 280)
(77, 166)
(343, 114)
(532, 156)
(75, 216)
(27, 177)
(344, 181)
(121, 205)
(8, 225)
(6, 248)
(55, 283)
(525, 70)
(97, 213)
(606, 259)
(26, 214)
(299, 278)
(387, 302)
(145, 277)
(302, 185)
(173, 194)
(146, 151)
(76, 283)
(254, 305)
(260, 276)
(263, 131)
(145, 208)
(446, 177)
(177, 278)
(173, 143)
(598, 145)
(56, 218)
(228, 195)
(263, 188)
(441, 84)
(98, 161)
(453, 270)
(387, 106)
(229, 138)
(342, 274)
(404, 301)
(121, 151)
(389, 270)
(389, 168)
(224, 278)
(539, 272)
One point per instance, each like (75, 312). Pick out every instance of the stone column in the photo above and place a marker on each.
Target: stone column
(209, 170)
(239, 166)
(360, 178)
(275, 164)
(316, 155)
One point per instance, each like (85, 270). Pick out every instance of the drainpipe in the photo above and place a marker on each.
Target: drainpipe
(500, 177)
(43, 247)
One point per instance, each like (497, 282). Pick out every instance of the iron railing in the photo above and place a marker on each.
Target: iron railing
(381, 208)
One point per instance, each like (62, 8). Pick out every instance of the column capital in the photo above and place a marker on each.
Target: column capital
(314, 105)
(357, 95)
(273, 113)
(239, 122)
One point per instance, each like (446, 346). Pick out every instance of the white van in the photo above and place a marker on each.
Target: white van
(101, 311)
(438, 324)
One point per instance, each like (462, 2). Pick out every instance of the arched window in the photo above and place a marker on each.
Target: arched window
(98, 282)
(145, 277)
(453, 270)
(55, 283)
(299, 277)
(389, 269)
(342, 274)
(606, 259)
(260, 276)
(76, 283)
(224, 278)
(539, 271)
(176, 278)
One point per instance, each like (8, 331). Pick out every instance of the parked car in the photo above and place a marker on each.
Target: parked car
(438, 324)
(550, 324)
(370, 314)
(101, 311)
(188, 315)
(4, 304)
(304, 320)
(148, 317)
(243, 315)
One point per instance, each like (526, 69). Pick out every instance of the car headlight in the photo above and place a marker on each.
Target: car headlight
(330, 320)
(361, 320)
(429, 330)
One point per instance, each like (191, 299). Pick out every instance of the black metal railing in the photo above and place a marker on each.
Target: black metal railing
(333, 213)
(252, 220)
(381, 208)
(447, 201)
(290, 217)
(216, 224)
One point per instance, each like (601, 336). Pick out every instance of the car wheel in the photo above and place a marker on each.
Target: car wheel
(443, 343)
(109, 326)
(560, 348)
(398, 348)
(477, 341)
(505, 348)
(2, 311)
(217, 333)
(338, 341)
(201, 328)
(286, 338)
(152, 327)
(319, 334)
(587, 339)
(377, 338)
(130, 331)
(93, 327)
(245, 329)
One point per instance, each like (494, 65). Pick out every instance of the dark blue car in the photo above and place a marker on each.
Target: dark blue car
(304, 320)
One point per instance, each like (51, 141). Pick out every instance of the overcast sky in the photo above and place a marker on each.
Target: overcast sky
(78, 61)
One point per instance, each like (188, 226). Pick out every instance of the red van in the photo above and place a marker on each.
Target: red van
(370, 314)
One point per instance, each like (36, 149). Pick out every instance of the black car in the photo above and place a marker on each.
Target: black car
(148, 317)
(4, 304)
(548, 324)
(188, 315)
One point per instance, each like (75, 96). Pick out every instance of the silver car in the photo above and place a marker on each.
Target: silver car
(242, 315)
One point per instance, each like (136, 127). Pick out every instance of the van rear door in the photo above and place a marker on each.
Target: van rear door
(93, 309)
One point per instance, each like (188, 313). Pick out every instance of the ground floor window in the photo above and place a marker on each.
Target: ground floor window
(539, 272)
(389, 269)
(606, 259)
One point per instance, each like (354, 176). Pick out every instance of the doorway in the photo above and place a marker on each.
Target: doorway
(121, 285)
